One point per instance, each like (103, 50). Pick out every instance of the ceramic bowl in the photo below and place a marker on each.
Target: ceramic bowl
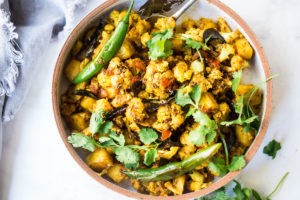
(205, 8)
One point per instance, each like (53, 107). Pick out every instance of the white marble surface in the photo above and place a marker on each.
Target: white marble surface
(36, 165)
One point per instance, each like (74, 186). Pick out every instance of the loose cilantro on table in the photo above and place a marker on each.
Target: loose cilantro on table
(241, 193)
(272, 148)
(206, 131)
(160, 44)
(126, 154)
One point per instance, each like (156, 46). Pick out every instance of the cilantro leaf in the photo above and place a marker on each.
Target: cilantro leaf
(218, 166)
(241, 194)
(96, 121)
(196, 94)
(160, 45)
(147, 135)
(190, 112)
(183, 99)
(190, 43)
(203, 119)
(120, 139)
(83, 141)
(237, 163)
(236, 80)
(127, 156)
(201, 134)
(272, 148)
(221, 195)
(105, 127)
(256, 195)
(107, 142)
(150, 156)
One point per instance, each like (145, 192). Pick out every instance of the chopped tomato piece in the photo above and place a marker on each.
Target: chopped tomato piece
(140, 65)
(167, 82)
(165, 135)
(213, 63)
(135, 78)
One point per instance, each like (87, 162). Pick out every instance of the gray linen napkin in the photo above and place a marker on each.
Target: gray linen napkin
(26, 28)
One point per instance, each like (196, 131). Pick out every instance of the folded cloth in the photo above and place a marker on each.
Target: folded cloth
(26, 27)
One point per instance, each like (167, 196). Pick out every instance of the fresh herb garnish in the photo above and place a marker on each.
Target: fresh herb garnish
(237, 76)
(219, 166)
(272, 148)
(147, 135)
(160, 45)
(206, 131)
(241, 193)
(246, 116)
(126, 154)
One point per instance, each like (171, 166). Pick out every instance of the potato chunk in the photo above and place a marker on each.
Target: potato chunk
(177, 185)
(72, 69)
(243, 48)
(79, 121)
(208, 103)
(243, 137)
(126, 51)
(88, 103)
(115, 173)
(99, 160)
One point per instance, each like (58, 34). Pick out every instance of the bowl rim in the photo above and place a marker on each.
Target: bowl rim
(224, 180)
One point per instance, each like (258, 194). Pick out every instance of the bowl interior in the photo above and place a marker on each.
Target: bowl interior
(204, 8)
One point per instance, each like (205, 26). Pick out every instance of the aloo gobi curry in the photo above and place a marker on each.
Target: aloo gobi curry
(161, 105)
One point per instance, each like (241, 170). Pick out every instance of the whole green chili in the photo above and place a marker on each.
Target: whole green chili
(110, 48)
(172, 170)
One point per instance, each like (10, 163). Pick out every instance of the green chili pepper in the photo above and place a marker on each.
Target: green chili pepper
(108, 51)
(172, 170)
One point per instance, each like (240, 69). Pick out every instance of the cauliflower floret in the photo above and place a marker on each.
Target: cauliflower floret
(136, 32)
(238, 63)
(116, 75)
(186, 151)
(205, 23)
(226, 51)
(177, 185)
(165, 23)
(135, 110)
(168, 154)
(158, 78)
(188, 24)
(168, 117)
(184, 139)
(121, 99)
(145, 38)
(182, 72)
(195, 33)
(231, 36)
(223, 26)
(223, 113)
(199, 79)
(243, 48)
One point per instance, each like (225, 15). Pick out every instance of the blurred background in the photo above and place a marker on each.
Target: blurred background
(36, 165)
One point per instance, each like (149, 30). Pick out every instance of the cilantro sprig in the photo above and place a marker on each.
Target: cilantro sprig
(272, 148)
(219, 166)
(242, 193)
(126, 154)
(206, 131)
(246, 116)
(160, 45)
